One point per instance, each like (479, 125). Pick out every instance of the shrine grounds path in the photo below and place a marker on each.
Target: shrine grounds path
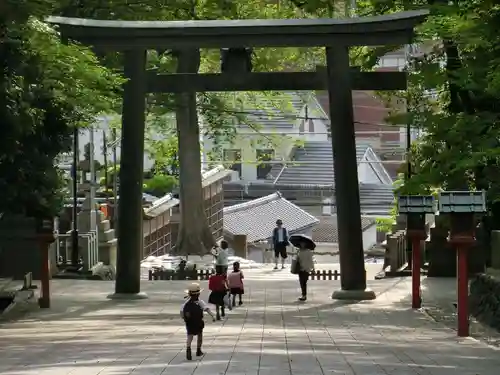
(86, 334)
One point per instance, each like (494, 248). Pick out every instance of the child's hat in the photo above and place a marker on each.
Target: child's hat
(194, 288)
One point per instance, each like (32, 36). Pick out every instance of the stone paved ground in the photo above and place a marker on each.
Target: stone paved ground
(85, 334)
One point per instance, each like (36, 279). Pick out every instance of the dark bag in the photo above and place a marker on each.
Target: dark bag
(192, 311)
(295, 268)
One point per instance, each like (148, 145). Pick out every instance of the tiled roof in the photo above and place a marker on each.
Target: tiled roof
(375, 199)
(275, 113)
(215, 174)
(327, 231)
(257, 218)
(148, 198)
(317, 167)
(161, 205)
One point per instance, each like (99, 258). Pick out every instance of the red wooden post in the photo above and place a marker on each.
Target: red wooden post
(462, 292)
(462, 206)
(462, 243)
(416, 299)
(416, 236)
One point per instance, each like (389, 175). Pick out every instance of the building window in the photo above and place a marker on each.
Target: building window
(311, 126)
(264, 168)
(232, 160)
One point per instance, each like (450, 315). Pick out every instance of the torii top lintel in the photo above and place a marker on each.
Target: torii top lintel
(396, 28)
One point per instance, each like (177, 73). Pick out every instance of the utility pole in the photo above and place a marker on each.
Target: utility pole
(115, 180)
(93, 219)
(74, 232)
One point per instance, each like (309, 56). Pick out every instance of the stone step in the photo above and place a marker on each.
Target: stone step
(106, 236)
(104, 225)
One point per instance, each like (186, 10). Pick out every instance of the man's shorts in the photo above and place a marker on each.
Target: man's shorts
(280, 250)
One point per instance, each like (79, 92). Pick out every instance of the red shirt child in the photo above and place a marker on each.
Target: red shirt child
(217, 283)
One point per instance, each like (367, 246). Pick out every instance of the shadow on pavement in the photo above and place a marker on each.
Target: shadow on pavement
(269, 334)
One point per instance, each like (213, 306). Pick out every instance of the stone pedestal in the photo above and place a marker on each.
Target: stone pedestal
(83, 225)
(240, 245)
(354, 295)
(107, 241)
(128, 296)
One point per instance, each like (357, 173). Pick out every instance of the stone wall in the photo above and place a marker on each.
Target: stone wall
(484, 299)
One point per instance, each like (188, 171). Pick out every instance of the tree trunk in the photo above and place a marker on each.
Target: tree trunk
(195, 236)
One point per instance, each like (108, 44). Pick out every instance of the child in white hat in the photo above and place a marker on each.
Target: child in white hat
(192, 314)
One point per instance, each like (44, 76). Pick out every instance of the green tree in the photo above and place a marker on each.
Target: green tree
(459, 148)
(160, 185)
(460, 67)
(46, 89)
(215, 109)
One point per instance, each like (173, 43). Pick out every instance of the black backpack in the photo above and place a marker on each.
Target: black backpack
(192, 311)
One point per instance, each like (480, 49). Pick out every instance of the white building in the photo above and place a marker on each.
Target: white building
(297, 145)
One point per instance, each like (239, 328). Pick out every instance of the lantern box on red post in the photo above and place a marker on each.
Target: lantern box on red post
(415, 207)
(45, 233)
(462, 207)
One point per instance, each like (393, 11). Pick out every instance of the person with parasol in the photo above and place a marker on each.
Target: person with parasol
(303, 263)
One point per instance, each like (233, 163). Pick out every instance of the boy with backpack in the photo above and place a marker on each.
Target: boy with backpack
(192, 314)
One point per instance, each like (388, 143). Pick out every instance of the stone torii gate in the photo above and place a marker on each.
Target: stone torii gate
(232, 37)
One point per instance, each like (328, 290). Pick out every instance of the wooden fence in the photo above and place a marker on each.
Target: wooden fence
(205, 275)
(180, 275)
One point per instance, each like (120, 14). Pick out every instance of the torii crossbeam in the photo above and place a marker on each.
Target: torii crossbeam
(134, 38)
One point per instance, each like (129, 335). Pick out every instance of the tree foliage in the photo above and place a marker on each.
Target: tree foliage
(217, 111)
(453, 95)
(160, 185)
(47, 88)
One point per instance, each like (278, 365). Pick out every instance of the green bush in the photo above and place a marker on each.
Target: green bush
(160, 185)
(384, 224)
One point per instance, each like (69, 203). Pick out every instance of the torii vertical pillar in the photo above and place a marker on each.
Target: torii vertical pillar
(130, 238)
(350, 235)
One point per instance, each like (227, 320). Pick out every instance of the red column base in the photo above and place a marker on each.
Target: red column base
(462, 243)
(416, 299)
(416, 237)
(462, 292)
(44, 303)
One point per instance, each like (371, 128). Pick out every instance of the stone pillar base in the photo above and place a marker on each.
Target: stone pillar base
(354, 295)
(128, 296)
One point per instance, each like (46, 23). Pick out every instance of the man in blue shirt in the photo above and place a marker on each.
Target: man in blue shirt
(280, 242)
